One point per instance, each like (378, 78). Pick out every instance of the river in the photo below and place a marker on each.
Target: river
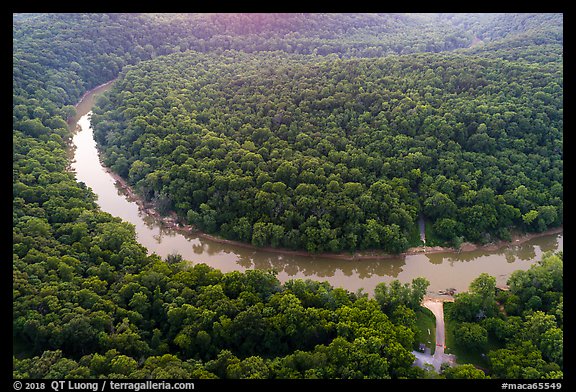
(443, 270)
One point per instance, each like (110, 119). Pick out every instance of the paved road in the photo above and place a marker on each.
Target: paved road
(439, 357)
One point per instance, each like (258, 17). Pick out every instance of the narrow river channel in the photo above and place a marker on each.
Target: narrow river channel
(443, 270)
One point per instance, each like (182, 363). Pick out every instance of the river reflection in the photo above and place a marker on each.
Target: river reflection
(443, 270)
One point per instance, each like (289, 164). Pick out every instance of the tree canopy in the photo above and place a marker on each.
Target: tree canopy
(314, 131)
(331, 155)
(520, 330)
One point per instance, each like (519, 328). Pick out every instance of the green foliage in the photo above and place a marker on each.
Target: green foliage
(389, 297)
(400, 134)
(538, 288)
(466, 371)
(281, 130)
(425, 329)
(525, 340)
(250, 316)
(523, 361)
(471, 336)
(479, 302)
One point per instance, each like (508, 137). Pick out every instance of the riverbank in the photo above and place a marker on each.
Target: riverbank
(169, 235)
(83, 106)
(92, 91)
(518, 238)
(174, 222)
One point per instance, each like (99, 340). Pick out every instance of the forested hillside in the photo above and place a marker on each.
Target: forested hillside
(332, 155)
(332, 117)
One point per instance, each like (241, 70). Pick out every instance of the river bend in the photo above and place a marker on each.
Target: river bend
(443, 270)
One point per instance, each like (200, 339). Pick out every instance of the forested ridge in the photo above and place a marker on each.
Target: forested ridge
(340, 154)
(89, 302)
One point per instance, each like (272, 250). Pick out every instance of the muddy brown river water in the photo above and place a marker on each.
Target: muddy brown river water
(443, 270)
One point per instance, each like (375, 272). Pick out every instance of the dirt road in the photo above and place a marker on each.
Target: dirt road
(422, 229)
(439, 357)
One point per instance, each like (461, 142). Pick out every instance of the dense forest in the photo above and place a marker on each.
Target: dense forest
(385, 116)
(340, 154)
(520, 328)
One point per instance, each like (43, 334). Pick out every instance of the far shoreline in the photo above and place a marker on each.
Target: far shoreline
(174, 222)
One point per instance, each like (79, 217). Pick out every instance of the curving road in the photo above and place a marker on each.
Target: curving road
(439, 357)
